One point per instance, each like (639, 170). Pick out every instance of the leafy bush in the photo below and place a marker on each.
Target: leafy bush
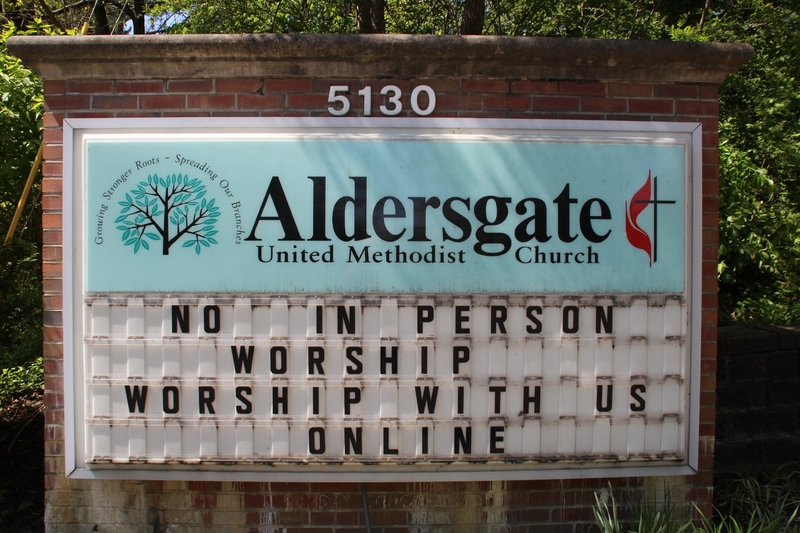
(759, 271)
(21, 380)
(20, 275)
(759, 237)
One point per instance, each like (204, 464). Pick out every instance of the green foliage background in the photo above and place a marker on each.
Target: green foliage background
(759, 267)
(20, 277)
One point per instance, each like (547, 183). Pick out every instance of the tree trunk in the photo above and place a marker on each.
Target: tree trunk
(378, 17)
(138, 20)
(472, 19)
(165, 234)
(370, 16)
(101, 26)
(705, 13)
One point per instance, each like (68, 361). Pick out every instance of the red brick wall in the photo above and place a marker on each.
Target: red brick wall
(465, 506)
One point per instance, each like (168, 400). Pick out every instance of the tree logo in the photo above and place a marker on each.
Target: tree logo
(169, 209)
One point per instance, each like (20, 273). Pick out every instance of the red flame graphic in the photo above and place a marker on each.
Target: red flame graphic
(636, 235)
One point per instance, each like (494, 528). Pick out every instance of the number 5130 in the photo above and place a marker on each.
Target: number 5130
(394, 104)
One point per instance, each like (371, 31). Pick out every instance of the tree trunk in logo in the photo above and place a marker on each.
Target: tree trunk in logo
(165, 234)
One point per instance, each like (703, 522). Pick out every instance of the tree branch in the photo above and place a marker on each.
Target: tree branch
(68, 7)
(201, 215)
(705, 13)
(51, 16)
(146, 213)
(101, 19)
(472, 19)
(157, 195)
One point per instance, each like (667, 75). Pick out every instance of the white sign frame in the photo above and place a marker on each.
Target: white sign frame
(73, 224)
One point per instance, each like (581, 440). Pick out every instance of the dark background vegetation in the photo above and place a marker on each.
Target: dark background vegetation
(759, 271)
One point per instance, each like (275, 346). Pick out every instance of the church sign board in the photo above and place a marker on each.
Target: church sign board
(346, 299)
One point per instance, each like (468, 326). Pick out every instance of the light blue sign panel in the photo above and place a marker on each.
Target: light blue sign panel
(383, 214)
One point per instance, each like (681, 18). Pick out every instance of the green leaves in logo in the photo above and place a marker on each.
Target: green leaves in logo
(168, 209)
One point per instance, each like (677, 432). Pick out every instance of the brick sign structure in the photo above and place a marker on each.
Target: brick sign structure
(464, 364)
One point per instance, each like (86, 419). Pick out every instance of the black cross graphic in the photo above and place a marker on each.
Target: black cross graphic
(655, 201)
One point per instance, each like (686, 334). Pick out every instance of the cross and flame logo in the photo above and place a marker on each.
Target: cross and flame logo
(639, 238)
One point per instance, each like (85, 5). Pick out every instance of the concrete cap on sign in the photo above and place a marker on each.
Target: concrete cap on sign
(376, 56)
